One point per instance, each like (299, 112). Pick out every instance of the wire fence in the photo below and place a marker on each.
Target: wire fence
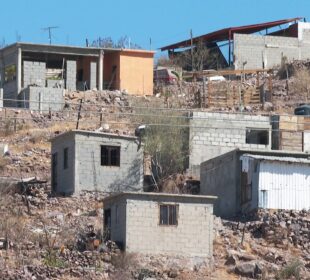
(114, 114)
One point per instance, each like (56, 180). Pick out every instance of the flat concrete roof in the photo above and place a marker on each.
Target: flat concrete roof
(159, 195)
(69, 50)
(94, 133)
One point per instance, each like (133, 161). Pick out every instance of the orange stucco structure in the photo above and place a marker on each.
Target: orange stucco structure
(130, 70)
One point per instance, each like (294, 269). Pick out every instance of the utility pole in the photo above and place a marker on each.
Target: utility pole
(49, 29)
(192, 50)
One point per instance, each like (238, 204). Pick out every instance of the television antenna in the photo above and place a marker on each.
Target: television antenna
(49, 29)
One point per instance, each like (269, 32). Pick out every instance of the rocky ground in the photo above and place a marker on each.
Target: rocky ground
(45, 237)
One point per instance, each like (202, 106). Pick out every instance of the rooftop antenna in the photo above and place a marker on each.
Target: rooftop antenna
(49, 29)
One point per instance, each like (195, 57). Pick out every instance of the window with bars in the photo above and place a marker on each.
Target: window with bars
(168, 214)
(110, 155)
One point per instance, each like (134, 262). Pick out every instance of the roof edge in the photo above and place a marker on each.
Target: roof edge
(103, 134)
(153, 194)
(185, 43)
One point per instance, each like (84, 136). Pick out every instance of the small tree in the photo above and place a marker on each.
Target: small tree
(167, 142)
(196, 58)
(122, 43)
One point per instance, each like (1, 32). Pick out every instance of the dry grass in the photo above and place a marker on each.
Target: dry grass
(3, 162)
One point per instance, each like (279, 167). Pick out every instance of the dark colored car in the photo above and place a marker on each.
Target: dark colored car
(302, 110)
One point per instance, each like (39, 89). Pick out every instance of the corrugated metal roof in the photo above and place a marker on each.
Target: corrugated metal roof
(275, 158)
(227, 33)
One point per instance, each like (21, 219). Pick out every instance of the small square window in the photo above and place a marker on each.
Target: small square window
(168, 215)
(110, 155)
(65, 158)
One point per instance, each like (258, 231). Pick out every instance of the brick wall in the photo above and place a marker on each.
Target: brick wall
(71, 75)
(213, 134)
(266, 51)
(34, 73)
(41, 99)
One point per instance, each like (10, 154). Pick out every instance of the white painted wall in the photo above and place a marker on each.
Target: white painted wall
(284, 185)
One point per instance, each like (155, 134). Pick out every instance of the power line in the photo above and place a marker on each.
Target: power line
(153, 112)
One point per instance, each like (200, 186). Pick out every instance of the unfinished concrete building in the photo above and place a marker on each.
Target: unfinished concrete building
(95, 161)
(161, 223)
(37, 75)
(213, 134)
(248, 48)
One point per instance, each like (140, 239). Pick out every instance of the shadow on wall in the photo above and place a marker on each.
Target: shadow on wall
(132, 181)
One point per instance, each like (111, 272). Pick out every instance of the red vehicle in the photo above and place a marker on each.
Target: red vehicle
(165, 75)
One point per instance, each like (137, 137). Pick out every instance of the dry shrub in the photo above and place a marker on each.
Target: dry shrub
(289, 271)
(3, 162)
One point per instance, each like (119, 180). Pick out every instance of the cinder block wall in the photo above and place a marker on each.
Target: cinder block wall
(42, 99)
(193, 236)
(213, 134)
(267, 51)
(71, 75)
(90, 175)
(34, 73)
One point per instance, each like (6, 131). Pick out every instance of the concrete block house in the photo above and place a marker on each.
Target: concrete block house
(255, 46)
(161, 223)
(38, 74)
(95, 161)
(245, 180)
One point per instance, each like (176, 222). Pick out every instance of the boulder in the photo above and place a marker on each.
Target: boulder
(248, 269)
